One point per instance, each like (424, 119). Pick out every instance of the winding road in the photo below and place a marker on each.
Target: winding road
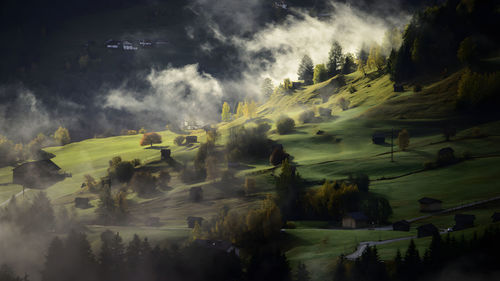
(363, 245)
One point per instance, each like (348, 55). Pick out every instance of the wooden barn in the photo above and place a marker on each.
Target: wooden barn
(402, 225)
(37, 174)
(430, 204)
(427, 230)
(463, 221)
(378, 138)
(165, 154)
(355, 220)
(191, 139)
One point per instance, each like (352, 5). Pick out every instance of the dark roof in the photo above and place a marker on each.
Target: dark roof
(47, 163)
(427, 200)
(464, 217)
(427, 227)
(446, 149)
(378, 135)
(357, 216)
(405, 222)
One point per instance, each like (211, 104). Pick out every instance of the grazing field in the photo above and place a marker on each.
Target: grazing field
(344, 147)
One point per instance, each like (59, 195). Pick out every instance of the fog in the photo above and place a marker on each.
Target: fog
(273, 51)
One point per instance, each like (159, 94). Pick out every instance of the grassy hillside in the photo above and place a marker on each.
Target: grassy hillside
(345, 147)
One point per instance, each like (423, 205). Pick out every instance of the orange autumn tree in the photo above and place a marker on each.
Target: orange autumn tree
(150, 139)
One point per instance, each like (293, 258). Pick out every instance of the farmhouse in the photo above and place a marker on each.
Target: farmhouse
(113, 44)
(191, 139)
(191, 221)
(37, 174)
(401, 226)
(378, 138)
(220, 245)
(165, 154)
(145, 43)
(429, 204)
(463, 221)
(427, 230)
(355, 220)
(128, 46)
(446, 156)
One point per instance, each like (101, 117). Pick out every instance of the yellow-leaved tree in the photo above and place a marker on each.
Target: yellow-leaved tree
(239, 110)
(226, 112)
(62, 136)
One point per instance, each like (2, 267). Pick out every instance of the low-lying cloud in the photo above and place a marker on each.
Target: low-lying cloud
(175, 93)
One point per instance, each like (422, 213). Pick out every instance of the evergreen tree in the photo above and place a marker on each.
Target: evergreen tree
(411, 263)
(335, 60)
(349, 64)
(267, 87)
(306, 70)
(53, 260)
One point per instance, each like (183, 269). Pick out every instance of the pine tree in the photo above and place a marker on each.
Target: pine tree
(226, 112)
(55, 254)
(267, 87)
(320, 73)
(335, 59)
(306, 70)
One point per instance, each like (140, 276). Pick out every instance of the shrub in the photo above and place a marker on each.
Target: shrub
(131, 132)
(164, 179)
(179, 140)
(124, 171)
(285, 125)
(196, 194)
(343, 103)
(403, 139)
(136, 162)
(150, 139)
(248, 143)
(142, 131)
(352, 89)
(417, 88)
(307, 117)
(290, 225)
(278, 156)
(90, 183)
(143, 183)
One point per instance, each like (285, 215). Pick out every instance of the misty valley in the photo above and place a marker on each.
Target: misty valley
(294, 140)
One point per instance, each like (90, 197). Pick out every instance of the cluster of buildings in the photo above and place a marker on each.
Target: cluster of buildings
(133, 45)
